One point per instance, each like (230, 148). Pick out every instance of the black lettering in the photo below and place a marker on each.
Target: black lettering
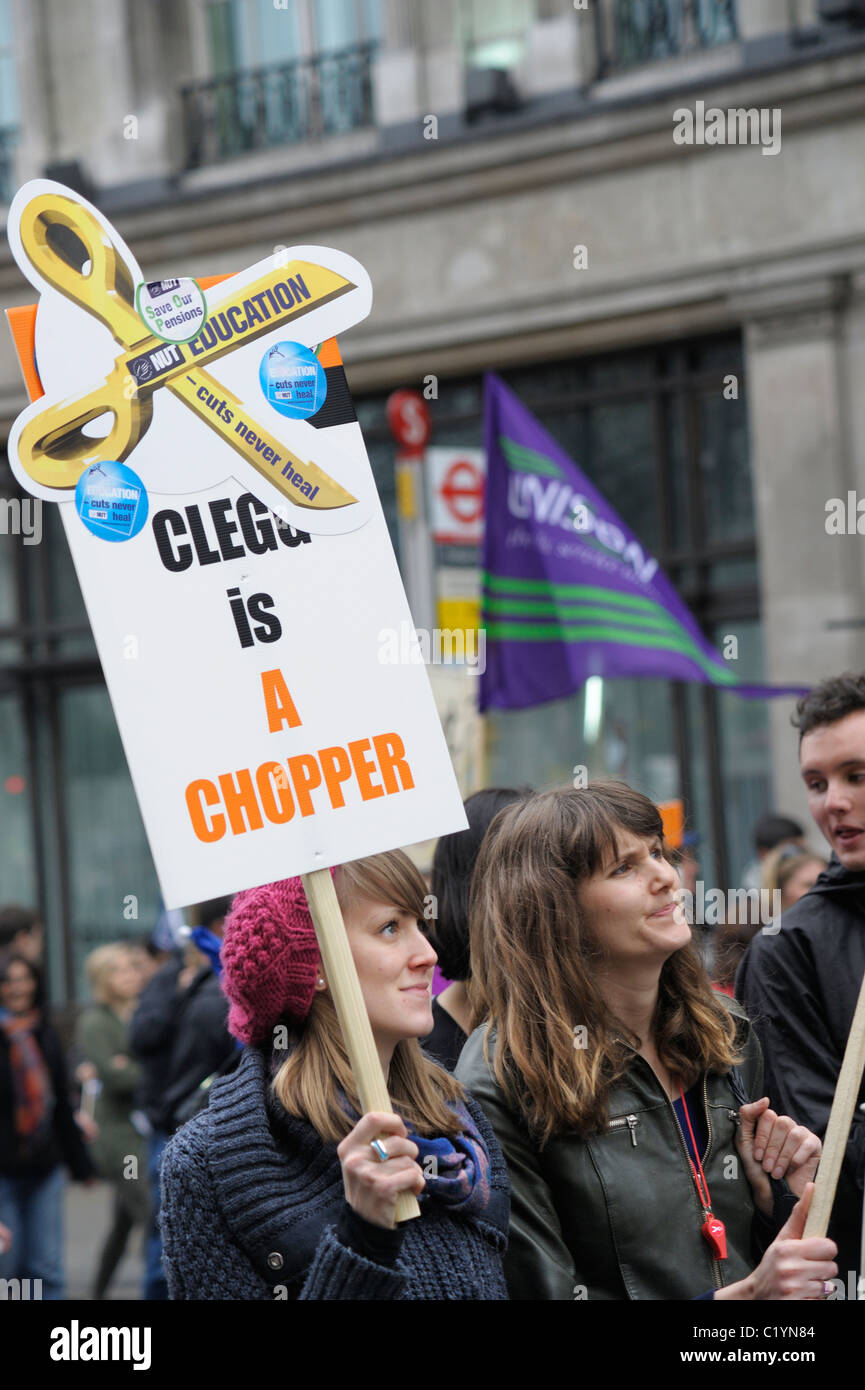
(163, 523)
(271, 629)
(241, 622)
(290, 537)
(206, 556)
(258, 537)
(225, 529)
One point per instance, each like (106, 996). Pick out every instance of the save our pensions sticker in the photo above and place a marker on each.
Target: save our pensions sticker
(239, 627)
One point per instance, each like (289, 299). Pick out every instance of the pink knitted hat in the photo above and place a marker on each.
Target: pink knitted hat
(269, 959)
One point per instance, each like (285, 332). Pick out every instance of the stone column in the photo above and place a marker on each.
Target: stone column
(811, 585)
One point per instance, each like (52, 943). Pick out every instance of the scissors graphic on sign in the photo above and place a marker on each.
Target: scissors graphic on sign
(73, 252)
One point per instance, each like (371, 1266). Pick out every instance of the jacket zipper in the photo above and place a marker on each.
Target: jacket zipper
(630, 1120)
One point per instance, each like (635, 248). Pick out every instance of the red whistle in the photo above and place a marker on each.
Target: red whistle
(714, 1232)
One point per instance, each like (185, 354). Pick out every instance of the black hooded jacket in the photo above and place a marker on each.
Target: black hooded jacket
(799, 987)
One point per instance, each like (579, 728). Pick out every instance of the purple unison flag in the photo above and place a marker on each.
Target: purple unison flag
(568, 591)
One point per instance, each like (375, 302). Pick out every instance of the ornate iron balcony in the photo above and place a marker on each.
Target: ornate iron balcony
(632, 32)
(257, 108)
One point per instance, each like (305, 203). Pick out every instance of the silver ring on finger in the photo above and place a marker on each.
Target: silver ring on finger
(379, 1150)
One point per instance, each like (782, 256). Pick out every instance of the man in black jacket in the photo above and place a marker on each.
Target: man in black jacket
(800, 984)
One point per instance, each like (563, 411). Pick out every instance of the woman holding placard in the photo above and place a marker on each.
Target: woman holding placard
(626, 1095)
(279, 1189)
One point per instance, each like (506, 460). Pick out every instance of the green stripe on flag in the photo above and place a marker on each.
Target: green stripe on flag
(560, 632)
(500, 584)
(523, 460)
(512, 607)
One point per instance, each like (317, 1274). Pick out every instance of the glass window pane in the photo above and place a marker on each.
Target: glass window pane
(343, 23)
(745, 752)
(278, 40)
(107, 851)
(227, 35)
(698, 812)
(678, 522)
(724, 467)
(16, 831)
(494, 31)
(8, 576)
(8, 92)
(619, 461)
(65, 603)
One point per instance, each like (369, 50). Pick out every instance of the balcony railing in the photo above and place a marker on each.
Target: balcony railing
(633, 32)
(258, 108)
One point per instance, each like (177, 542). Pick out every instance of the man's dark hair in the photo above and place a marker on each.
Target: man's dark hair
(14, 920)
(205, 914)
(831, 700)
(772, 830)
(451, 879)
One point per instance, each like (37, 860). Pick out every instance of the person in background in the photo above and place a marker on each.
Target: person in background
(769, 832)
(617, 1082)
(151, 1037)
(773, 835)
(792, 872)
(22, 932)
(38, 1133)
(180, 1026)
(450, 882)
(102, 1036)
(800, 984)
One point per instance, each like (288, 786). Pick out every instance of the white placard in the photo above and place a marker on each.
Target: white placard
(264, 734)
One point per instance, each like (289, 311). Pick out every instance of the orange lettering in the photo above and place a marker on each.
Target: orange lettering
(369, 790)
(278, 703)
(305, 774)
(272, 777)
(390, 751)
(240, 798)
(336, 768)
(198, 795)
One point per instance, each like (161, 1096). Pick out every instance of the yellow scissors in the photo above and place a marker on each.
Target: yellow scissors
(59, 237)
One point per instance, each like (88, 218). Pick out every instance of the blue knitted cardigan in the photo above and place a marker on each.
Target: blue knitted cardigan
(247, 1214)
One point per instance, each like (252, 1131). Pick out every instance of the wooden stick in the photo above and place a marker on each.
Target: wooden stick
(840, 1120)
(350, 1009)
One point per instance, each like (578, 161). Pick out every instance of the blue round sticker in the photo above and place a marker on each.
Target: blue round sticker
(112, 501)
(293, 380)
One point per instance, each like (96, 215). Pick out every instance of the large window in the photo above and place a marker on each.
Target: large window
(280, 75)
(631, 32)
(493, 32)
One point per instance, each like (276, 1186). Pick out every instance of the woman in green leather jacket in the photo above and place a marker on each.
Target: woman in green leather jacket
(644, 1160)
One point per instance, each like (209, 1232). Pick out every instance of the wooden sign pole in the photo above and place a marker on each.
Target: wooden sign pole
(840, 1120)
(350, 1009)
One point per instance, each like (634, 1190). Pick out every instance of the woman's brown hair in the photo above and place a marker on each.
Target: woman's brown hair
(534, 960)
(315, 1077)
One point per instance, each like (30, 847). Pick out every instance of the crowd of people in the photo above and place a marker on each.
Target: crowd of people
(595, 1107)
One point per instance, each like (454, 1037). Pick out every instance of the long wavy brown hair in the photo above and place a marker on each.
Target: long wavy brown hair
(315, 1076)
(535, 963)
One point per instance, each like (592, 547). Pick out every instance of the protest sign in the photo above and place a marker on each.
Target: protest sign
(236, 610)
(234, 560)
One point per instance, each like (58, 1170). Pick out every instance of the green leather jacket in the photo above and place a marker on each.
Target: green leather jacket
(615, 1215)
